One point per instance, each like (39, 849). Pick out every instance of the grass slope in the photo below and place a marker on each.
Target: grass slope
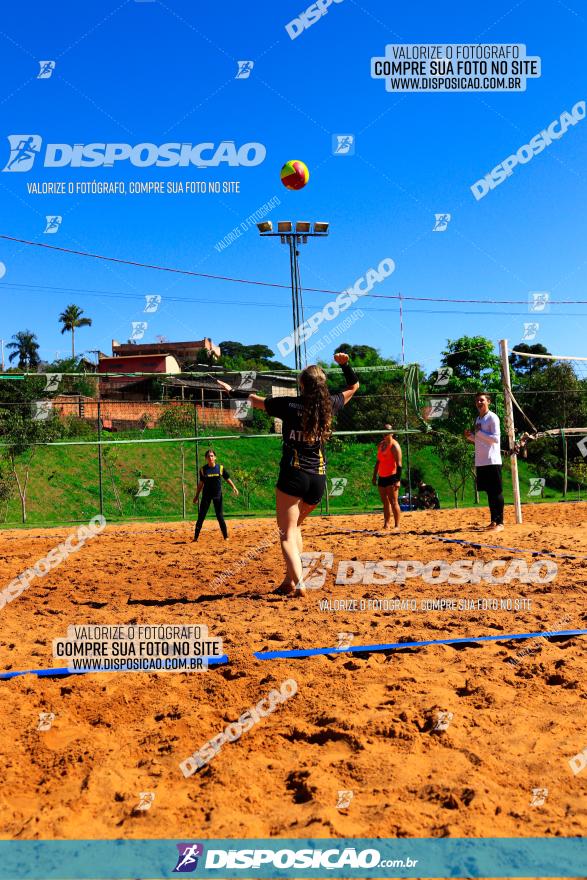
(64, 480)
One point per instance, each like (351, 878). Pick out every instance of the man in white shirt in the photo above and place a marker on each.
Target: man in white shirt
(488, 458)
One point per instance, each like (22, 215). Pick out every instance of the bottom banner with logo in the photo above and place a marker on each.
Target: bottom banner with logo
(337, 858)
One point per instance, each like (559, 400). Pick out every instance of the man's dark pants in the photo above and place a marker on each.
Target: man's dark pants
(489, 480)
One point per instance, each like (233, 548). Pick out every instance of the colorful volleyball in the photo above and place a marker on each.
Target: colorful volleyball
(294, 175)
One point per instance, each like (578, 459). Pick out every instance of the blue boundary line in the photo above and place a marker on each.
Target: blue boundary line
(312, 652)
(511, 549)
(64, 670)
(472, 544)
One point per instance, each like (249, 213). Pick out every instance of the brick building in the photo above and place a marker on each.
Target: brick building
(185, 353)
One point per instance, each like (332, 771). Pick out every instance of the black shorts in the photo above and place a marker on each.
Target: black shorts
(489, 478)
(388, 481)
(301, 484)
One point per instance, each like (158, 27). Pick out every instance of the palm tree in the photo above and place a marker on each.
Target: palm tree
(71, 318)
(26, 349)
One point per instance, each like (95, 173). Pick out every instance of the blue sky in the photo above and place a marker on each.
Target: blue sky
(155, 72)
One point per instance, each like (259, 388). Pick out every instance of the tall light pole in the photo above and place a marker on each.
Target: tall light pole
(293, 237)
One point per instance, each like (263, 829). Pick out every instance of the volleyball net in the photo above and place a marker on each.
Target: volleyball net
(548, 406)
(130, 446)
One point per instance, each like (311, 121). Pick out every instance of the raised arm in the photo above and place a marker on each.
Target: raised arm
(342, 359)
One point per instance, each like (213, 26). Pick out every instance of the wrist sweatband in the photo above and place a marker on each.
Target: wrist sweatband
(398, 471)
(349, 374)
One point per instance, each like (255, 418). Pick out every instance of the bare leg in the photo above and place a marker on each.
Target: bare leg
(386, 506)
(394, 504)
(288, 511)
(305, 510)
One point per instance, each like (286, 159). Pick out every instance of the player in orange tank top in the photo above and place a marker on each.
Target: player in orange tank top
(386, 476)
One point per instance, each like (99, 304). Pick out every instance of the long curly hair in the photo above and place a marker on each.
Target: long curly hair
(317, 415)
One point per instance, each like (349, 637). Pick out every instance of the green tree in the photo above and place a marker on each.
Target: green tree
(247, 478)
(454, 458)
(260, 422)
(248, 352)
(71, 318)
(85, 385)
(178, 421)
(7, 486)
(473, 357)
(110, 459)
(362, 355)
(380, 400)
(236, 356)
(523, 367)
(578, 471)
(552, 397)
(203, 358)
(26, 349)
(475, 367)
(23, 428)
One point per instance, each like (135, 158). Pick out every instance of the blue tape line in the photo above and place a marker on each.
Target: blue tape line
(64, 670)
(511, 549)
(311, 652)
(471, 544)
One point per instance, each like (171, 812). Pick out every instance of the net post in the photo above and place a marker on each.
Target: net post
(566, 461)
(509, 421)
(100, 478)
(196, 443)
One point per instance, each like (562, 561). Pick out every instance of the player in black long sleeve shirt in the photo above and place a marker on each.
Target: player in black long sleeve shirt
(210, 485)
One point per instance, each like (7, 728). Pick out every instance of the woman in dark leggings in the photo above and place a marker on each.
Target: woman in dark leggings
(210, 486)
(306, 425)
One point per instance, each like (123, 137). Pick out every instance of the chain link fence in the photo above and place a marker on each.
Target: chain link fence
(68, 453)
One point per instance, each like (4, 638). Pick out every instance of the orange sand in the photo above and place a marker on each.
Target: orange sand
(362, 723)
